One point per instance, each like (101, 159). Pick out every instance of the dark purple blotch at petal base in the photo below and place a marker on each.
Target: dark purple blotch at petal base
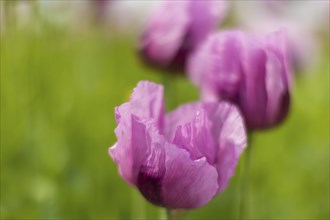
(150, 185)
(150, 178)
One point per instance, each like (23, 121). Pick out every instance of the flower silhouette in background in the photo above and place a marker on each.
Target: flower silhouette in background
(176, 29)
(305, 21)
(100, 8)
(249, 71)
(182, 159)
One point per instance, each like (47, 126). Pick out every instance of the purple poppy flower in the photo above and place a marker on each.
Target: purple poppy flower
(252, 72)
(176, 28)
(182, 159)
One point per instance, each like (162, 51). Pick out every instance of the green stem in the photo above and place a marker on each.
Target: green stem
(170, 90)
(169, 215)
(138, 205)
(245, 178)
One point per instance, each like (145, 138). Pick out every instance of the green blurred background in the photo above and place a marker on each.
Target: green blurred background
(58, 93)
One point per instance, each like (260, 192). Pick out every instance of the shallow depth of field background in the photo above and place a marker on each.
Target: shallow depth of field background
(59, 87)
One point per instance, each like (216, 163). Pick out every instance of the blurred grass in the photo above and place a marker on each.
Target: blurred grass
(58, 93)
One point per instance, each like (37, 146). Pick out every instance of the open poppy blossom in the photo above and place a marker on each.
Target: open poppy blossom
(181, 159)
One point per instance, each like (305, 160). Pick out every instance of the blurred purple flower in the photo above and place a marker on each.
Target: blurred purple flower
(306, 23)
(183, 159)
(176, 28)
(252, 72)
(100, 9)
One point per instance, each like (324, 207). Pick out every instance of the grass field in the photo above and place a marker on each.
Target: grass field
(58, 93)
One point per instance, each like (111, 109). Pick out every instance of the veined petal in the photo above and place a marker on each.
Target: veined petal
(181, 116)
(232, 141)
(196, 137)
(226, 135)
(187, 183)
(146, 103)
(149, 160)
(229, 133)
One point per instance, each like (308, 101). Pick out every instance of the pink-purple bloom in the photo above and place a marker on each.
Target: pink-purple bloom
(181, 159)
(175, 30)
(249, 71)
